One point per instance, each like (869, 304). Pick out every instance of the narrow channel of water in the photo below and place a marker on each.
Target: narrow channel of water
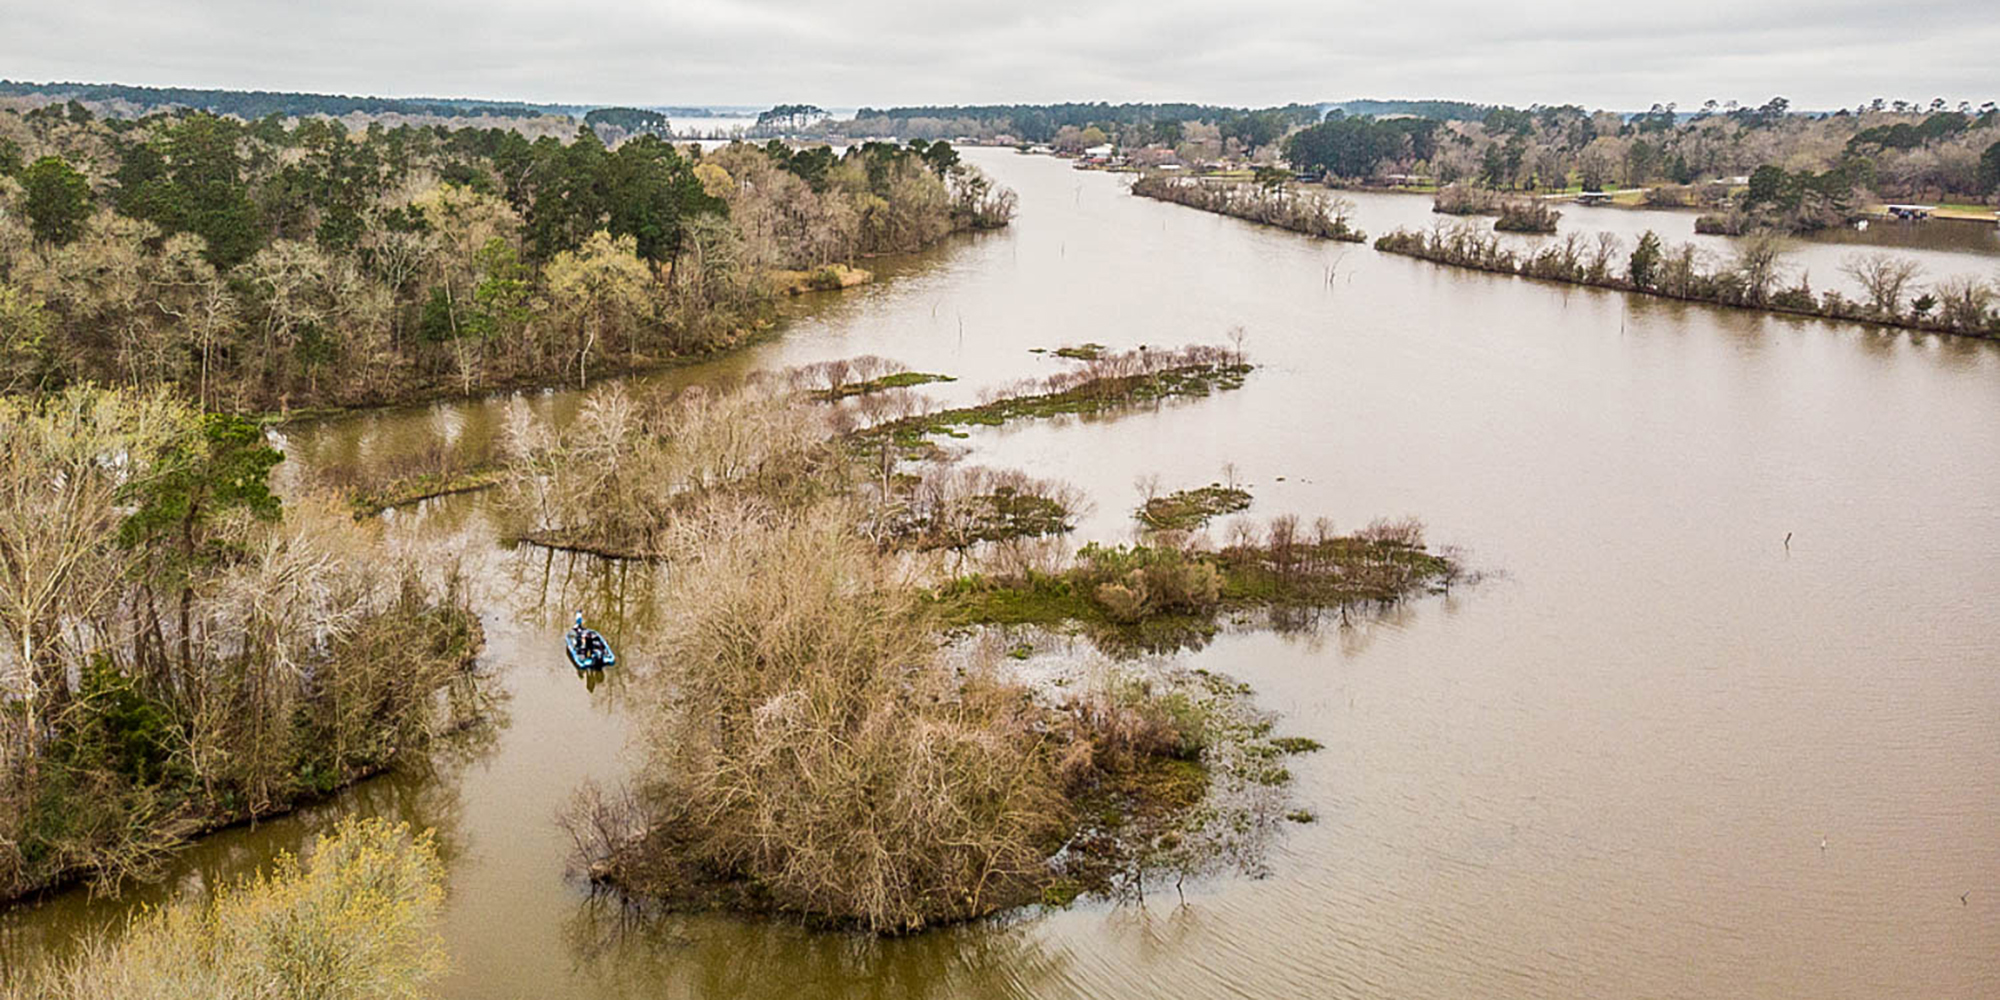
(1606, 770)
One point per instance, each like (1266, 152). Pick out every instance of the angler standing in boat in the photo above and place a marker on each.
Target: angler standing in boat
(587, 649)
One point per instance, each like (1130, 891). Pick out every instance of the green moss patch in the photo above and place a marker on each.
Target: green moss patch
(900, 380)
(1095, 396)
(1186, 510)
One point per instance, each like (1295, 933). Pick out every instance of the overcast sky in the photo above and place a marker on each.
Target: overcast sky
(1819, 53)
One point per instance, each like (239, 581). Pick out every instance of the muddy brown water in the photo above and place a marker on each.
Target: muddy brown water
(1607, 770)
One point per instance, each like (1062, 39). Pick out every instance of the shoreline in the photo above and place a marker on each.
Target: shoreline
(1623, 285)
(213, 823)
(769, 320)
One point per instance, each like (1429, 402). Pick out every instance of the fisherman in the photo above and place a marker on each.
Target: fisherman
(576, 633)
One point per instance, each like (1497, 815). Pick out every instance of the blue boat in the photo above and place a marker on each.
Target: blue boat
(587, 649)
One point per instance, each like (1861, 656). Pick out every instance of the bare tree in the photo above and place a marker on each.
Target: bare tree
(62, 464)
(1603, 254)
(1885, 277)
(1759, 263)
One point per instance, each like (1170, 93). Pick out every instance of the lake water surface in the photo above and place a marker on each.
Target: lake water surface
(1607, 770)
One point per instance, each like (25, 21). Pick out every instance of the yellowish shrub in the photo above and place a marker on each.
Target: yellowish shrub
(356, 921)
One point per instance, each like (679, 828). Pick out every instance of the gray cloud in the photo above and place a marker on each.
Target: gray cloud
(1820, 53)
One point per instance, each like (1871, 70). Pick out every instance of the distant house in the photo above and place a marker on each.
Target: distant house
(1099, 152)
(1405, 180)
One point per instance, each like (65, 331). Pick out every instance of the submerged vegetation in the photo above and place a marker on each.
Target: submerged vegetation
(1090, 351)
(1187, 510)
(358, 920)
(1106, 382)
(1169, 592)
(1754, 277)
(1312, 212)
(438, 469)
(614, 480)
(828, 738)
(181, 653)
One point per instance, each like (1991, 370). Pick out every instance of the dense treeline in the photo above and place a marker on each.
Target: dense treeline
(1437, 109)
(261, 266)
(1899, 151)
(1754, 276)
(1352, 147)
(250, 104)
(1132, 124)
(180, 652)
(631, 120)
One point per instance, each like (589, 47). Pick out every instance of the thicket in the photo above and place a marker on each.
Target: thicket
(1793, 202)
(614, 480)
(182, 653)
(259, 266)
(357, 919)
(1465, 199)
(1754, 275)
(1891, 151)
(821, 754)
(1312, 212)
(1526, 215)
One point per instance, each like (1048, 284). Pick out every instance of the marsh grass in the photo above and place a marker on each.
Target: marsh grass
(1168, 593)
(1081, 352)
(1105, 383)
